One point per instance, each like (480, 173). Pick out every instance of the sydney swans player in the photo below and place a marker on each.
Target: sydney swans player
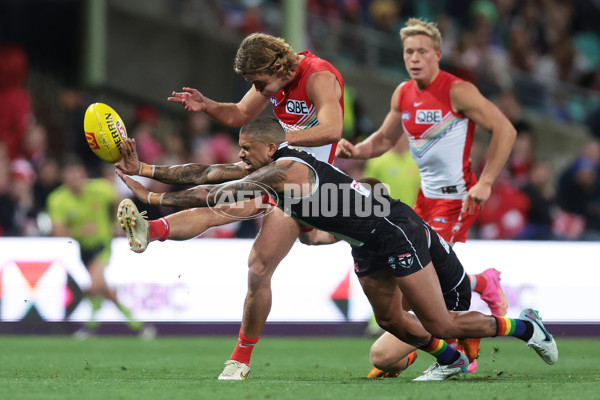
(439, 112)
(306, 94)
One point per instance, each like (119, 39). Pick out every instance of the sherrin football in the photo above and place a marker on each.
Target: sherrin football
(104, 131)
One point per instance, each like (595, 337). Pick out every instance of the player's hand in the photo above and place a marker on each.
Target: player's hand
(191, 99)
(476, 197)
(344, 149)
(130, 163)
(137, 188)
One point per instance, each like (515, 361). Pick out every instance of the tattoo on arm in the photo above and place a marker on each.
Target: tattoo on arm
(193, 197)
(198, 174)
(272, 176)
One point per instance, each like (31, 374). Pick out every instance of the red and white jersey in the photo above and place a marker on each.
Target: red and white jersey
(440, 139)
(296, 111)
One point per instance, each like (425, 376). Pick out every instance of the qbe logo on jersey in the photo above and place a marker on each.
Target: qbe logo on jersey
(428, 116)
(298, 107)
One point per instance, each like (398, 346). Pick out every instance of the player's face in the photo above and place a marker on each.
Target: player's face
(266, 84)
(253, 153)
(421, 59)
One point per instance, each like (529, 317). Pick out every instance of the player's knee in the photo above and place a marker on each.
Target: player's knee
(259, 275)
(379, 357)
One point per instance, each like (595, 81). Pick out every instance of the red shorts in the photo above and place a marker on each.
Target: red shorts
(445, 218)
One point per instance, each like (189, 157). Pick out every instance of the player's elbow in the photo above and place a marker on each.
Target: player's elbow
(335, 135)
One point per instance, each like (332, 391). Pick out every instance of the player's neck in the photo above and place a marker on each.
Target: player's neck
(424, 83)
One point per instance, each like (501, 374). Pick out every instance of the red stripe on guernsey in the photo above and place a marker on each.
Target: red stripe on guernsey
(468, 174)
(332, 154)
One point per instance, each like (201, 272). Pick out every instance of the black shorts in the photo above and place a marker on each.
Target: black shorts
(403, 246)
(407, 245)
(459, 297)
(88, 255)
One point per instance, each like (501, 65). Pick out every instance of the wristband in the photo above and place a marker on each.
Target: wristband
(144, 170)
(162, 196)
(148, 198)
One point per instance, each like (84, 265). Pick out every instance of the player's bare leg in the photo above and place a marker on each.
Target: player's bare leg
(182, 225)
(386, 300)
(385, 297)
(390, 356)
(275, 239)
(188, 224)
(422, 290)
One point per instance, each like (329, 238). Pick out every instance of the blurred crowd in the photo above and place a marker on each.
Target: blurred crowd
(543, 50)
(484, 41)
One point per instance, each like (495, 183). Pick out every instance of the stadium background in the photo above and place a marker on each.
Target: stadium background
(537, 60)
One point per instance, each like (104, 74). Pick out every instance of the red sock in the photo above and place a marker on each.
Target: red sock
(243, 349)
(159, 229)
(480, 284)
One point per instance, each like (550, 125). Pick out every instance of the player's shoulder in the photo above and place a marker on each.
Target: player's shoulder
(463, 91)
(403, 87)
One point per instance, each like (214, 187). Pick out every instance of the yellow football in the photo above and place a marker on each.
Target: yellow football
(104, 131)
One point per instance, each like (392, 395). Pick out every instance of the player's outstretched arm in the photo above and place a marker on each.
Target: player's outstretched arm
(230, 114)
(270, 177)
(196, 174)
(185, 174)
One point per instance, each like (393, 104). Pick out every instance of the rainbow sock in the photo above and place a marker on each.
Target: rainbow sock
(443, 353)
(514, 327)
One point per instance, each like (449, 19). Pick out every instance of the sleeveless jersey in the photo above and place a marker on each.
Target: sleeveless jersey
(337, 203)
(378, 228)
(296, 111)
(440, 139)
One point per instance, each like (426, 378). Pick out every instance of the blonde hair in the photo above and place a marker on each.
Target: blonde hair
(258, 52)
(415, 26)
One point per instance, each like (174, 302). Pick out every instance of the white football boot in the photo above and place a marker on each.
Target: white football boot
(135, 225)
(234, 371)
(542, 342)
(438, 372)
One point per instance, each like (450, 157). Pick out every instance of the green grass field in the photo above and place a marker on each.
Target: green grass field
(60, 367)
